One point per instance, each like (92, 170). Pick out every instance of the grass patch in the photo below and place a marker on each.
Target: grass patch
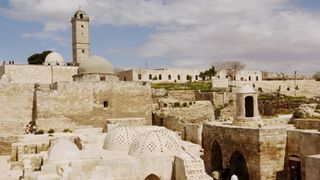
(184, 86)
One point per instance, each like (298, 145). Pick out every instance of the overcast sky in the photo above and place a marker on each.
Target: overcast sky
(273, 35)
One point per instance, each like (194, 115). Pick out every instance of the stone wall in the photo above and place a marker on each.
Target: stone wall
(188, 95)
(16, 102)
(307, 124)
(303, 143)
(312, 167)
(263, 149)
(308, 88)
(92, 103)
(19, 73)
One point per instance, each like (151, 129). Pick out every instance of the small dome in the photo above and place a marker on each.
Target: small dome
(54, 58)
(155, 143)
(246, 89)
(96, 64)
(63, 150)
(120, 139)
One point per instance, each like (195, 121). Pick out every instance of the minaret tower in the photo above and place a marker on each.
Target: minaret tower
(80, 37)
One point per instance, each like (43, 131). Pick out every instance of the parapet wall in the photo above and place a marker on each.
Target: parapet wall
(20, 73)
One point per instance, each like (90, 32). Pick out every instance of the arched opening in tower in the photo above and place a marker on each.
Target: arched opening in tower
(238, 165)
(152, 177)
(249, 106)
(216, 157)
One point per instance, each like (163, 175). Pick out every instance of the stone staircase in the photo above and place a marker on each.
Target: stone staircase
(195, 170)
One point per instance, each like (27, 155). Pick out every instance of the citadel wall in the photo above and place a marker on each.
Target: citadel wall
(308, 88)
(16, 102)
(19, 73)
(92, 103)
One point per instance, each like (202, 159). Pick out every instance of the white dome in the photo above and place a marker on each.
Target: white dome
(63, 150)
(54, 58)
(155, 143)
(120, 139)
(96, 64)
(246, 89)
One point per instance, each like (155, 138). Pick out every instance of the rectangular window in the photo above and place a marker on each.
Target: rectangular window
(160, 77)
(102, 78)
(169, 77)
(139, 76)
(178, 77)
(105, 104)
(150, 76)
(81, 16)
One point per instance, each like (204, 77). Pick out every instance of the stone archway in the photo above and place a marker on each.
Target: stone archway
(249, 106)
(216, 157)
(238, 165)
(152, 177)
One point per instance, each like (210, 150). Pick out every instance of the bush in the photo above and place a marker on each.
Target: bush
(67, 130)
(176, 104)
(40, 131)
(50, 131)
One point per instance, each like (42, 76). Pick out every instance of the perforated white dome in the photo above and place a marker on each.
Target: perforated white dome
(54, 58)
(120, 139)
(246, 89)
(155, 143)
(63, 150)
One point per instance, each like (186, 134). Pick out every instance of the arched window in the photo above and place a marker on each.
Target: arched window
(152, 177)
(150, 76)
(139, 76)
(249, 106)
(249, 78)
(160, 76)
(169, 77)
(178, 77)
(196, 77)
(216, 157)
(257, 78)
(238, 163)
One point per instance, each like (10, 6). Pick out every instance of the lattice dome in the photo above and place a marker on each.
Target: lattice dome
(63, 150)
(54, 58)
(155, 143)
(120, 139)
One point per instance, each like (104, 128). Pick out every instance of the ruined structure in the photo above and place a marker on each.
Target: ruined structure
(257, 149)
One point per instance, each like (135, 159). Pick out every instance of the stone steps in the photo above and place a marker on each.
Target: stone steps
(195, 169)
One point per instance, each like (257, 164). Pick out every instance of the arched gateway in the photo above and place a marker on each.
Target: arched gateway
(216, 157)
(238, 164)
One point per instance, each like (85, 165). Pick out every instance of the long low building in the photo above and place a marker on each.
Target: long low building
(161, 75)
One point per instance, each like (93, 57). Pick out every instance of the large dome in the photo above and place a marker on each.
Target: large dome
(63, 150)
(120, 139)
(155, 143)
(54, 58)
(96, 64)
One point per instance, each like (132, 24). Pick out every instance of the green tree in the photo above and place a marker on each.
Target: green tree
(316, 76)
(38, 58)
(208, 73)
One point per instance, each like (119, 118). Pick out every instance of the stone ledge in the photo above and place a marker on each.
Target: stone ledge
(307, 123)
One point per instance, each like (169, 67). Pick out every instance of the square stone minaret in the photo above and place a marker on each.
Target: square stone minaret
(80, 37)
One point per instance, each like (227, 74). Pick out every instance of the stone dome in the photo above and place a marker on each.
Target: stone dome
(54, 58)
(246, 89)
(63, 150)
(96, 65)
(155, 143)
(120, 139)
